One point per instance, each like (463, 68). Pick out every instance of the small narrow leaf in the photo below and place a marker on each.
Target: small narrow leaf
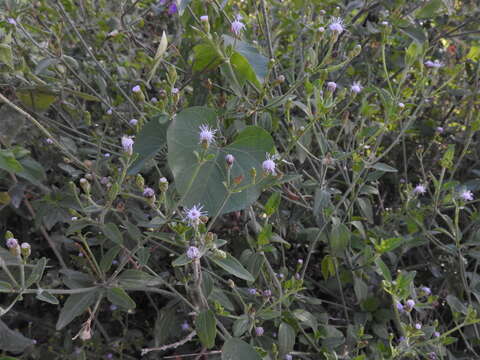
(75, 306)
(113, 233)
(119, 297)
(233, 266)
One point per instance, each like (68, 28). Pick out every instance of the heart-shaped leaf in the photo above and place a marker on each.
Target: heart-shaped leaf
(203, 183)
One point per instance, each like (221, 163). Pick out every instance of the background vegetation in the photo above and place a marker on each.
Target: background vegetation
(255, 179)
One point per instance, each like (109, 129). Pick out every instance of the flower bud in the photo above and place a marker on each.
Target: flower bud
(138, 93)
(163, 184)
(8, 235)
(26, 249)
(205, 23)
(209, 237)
(85, 185)
(140, 181)
(231, 283)
(220, 254)
(229, 159)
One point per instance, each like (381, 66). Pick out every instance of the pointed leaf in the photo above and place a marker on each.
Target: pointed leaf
(206, 327)
(237, 349)
(234, 267)
(75, 305)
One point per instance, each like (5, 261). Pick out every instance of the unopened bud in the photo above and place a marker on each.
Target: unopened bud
(209, 237)
(220, 254)
(85, 185)
(140, 181)
(229, 159)
(26, 249)
(231, 283)
(8, 235)
(138, 93)
(253, 173)
(163, 184)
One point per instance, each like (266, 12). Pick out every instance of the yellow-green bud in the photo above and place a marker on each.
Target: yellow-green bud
(85, 185)
(8, 235)
(140, 181)
(26, 249)
(163, 184)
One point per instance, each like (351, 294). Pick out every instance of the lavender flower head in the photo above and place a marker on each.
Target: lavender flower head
(337, 25)
(127, 144)
(252, 291)
(193, 252)
(185, 326)
(193, 214)
(148, 192)
(229, 159)
(267, 293)
(399, 306)
(136, 89)
(466, 195)
(12, 243)
(418, 326)
(49, 141)
(401, 105)
(331, 86)
(356, 87)
(288, 357)
(426, 290)
(440, 130)
(133, 122)
(175, 91)
(433, 64)
(259, 331)
(419, 189)
(436, 334)
(409, 304)
(237, 25)
(207, 134)
(12, 21)
(109, 111)
(269, 165)
(172, 9)
(204, 18)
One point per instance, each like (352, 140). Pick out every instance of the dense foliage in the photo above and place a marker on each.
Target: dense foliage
(244, 179)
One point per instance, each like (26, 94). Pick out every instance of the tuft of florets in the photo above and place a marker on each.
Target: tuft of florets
(193, 252)
(194, 214)
(269, 165)
(207, 134)
(337, 25)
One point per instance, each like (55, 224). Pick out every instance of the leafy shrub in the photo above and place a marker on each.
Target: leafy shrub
(239, 180)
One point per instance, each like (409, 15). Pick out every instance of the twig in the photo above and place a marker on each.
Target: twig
(170, 346)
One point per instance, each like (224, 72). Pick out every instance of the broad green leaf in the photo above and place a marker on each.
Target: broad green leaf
(206, 327)
(306, 317)
(75, 306)
(360, 288)
(47, 297)
(456, 305)
(384, 167)
(13, 341)
(429, 10)
(119, 297)
(37, 272)
(107, 259)
(113, 233)
(36, 99)
(6, 55)
(151, 139)
(286, 338)
(237, 349)
(417, 34)
(182, 5)
(206, 58)
(136, 278)
(273, 203)
(32, 171)
(385, 271)
(8, 162)
(12, 124)
(339, 238)
(233, 266)
(203, 183)
(390, 244)
(257, 61)
(243, 70)
(241, 325)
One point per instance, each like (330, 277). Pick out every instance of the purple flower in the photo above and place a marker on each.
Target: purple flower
(107, 155)
(113, 307)
(207, 135)
(109, 111)
(280, 275)
(193, 214)
(193, 252)
(337, 25)
(229, 159)
(267, 293)
(399, 306)
(409, 304)
(426, 290)
(237, 26)
(436, 334)
(175, 91)
(148, 192)
(401, 338)
(288, 357)
(133, 122)
(440, 130)
(259, 331)
(321, 29)
(154, 100)
(419, 189)
(127, 144)
(433, 64)
(356, 87)
(269, 165)
(401, 105)
(12, 243)
(331, 86)
(49, 141)
(204, 18)
(136, 89)
(252, 291)
(185, 326)
(172, 9)
(418, 326)
(12, 21)
(109, 356)
(300, 261)
(466, 195)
